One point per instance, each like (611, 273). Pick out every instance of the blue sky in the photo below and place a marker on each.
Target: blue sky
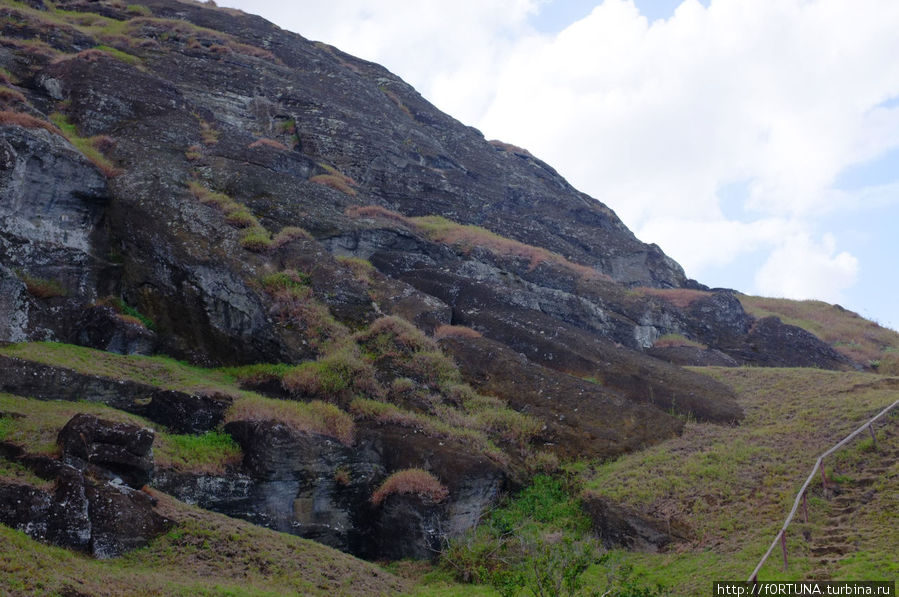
(756, 141)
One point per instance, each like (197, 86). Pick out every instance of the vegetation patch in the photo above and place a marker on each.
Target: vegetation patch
(413, 481)
(288, 234)
(87, 146)
(125, 310)
(41, 288)
(857, 338)
(509, 148)
(735, 485)
(10, 96)
(539, 543)
(211, 452)
(299, 310)
(11, 118)
(308, 417)
(467, 238)
(272, 143)
(673, 340)
(455, 331)
(362, 269)
(338, 375)
(679, 297)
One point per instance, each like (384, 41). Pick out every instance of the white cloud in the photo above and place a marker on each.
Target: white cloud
(804, 269)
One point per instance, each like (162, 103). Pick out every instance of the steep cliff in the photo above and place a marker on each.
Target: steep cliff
(191, 181)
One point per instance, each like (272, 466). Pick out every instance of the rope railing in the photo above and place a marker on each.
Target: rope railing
(801, 498)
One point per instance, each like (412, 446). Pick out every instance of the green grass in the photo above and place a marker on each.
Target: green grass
(84, 145)
(39, 423)
(167, 373)
(209, 452)
(733, 486)
(204, 554)
(850, 334)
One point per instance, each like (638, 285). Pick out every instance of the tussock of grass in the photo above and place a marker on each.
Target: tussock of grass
(211, 452)
(9, 96)
(671, 340)
(362, 269)
(859, 339)
(338, 375)
(414, 481)
(337, 182)
(256, 239)
(288, 234)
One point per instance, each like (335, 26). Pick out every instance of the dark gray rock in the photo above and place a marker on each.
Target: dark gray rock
(621, 527)
(123, 449)
(179, 411)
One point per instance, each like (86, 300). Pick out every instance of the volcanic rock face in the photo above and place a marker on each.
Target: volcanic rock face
(227, 193)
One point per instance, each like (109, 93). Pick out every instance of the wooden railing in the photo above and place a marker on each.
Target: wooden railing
(801, 497)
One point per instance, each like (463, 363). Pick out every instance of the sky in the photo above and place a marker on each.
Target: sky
(755, 141)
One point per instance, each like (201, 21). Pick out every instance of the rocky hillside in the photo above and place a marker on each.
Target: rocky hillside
(387, 319)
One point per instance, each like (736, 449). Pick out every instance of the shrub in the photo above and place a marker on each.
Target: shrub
(340, 374)
(268, 143)
(256, 239)
(209, 135)
(411, 481)
(242, 218)
(455, 331)
(394, 336)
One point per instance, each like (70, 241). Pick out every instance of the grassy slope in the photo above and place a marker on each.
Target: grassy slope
(205, 554)
(734, 486)
(856, 337)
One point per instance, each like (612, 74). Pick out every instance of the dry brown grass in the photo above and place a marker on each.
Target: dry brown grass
(679, 297)
(9, 96)
(308, 417)
(337, 182)
(414, 481)
(455, 331)
(673, 340)
(288, 234)
(11, 118)
(854, 336)
(509, 148)
(268, 143)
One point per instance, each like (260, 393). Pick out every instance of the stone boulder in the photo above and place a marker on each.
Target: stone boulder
(122, 449)
(619, 526)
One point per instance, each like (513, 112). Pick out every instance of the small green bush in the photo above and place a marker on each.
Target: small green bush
(256, 239)
(41, 288)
